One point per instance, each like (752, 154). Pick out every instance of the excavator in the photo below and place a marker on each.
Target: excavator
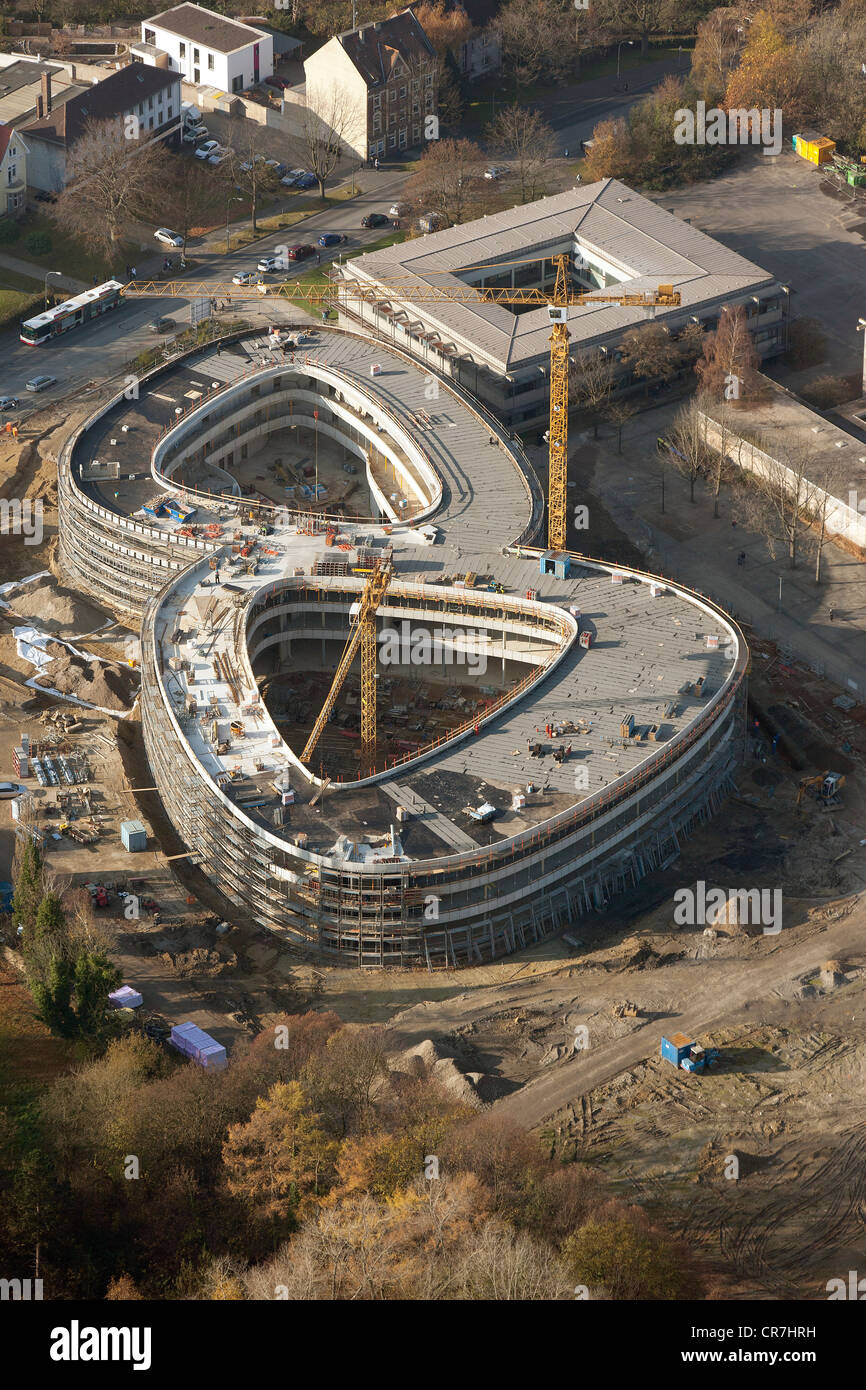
(825, 788)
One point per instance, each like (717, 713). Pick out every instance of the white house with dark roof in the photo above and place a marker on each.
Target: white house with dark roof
(377, 83)
(13, 170)
(613, 236)
(207, 48)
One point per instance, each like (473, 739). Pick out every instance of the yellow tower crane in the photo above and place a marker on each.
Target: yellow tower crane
(363, 635)
(558, 305)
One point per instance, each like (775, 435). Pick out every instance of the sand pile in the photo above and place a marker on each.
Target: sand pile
(53, 608)
(109, 687)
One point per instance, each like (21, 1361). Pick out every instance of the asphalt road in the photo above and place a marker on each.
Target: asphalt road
(100, 350)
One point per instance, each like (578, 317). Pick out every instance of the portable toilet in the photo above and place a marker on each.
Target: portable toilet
(133, 835)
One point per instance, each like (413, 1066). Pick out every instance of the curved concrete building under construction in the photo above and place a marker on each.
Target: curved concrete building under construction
(549, 726)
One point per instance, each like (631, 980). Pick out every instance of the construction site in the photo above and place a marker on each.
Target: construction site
(396, 749)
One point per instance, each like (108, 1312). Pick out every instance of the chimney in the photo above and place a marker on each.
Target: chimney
(40, 108)
(46, 92)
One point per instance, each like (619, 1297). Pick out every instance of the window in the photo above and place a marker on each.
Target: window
(196, 56)
(428, 101)
(141, 108)
(169, 113)
(182, 50)
(392, 118)
(392, 141)
(377, 122)
(416, 109)
(377, 100)
(12, 151)
(402, 139)
(196, 75)
(416, 135)
(428, 80)
(210, 62)
(150, 103)
(402, 92)
(237, 82)
(11, 175)
(150, 122)
(150, 37)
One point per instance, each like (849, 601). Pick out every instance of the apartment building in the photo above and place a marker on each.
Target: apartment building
(149, 97)
(206, 48)
(381, 82)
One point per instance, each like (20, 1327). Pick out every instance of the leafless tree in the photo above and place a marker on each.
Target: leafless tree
(619, 411)
(191, 196)
(331, 123)
(248, 166)
(716, 49)
(533, 41)
(523, 137)
(113, 177)
(592, 379)
(444, 178)
(688, 452)
(781, 498)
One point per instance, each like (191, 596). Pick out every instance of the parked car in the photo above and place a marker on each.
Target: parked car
(161, 326)
(275, 81)
(41, 383)
(291, 178)
(207, 149)
(244, 277)
(307, 181)
(219, 157)
(375, 219)
(168, 238)
(194, 133)
(9, 790)
(8, 403)
(497, 171)
(267, 264)
(331, 239)
(300, 253)
(399, 210)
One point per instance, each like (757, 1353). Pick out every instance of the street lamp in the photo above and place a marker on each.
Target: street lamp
(630, 43)
(861, 328)
(47, 273)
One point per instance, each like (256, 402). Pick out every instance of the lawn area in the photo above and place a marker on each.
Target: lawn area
(17, 304)
(67, 254)
(304, 207)
(491, 95)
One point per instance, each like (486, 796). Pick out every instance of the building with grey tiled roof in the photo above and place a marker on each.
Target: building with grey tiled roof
(615, 236)
(376, 86)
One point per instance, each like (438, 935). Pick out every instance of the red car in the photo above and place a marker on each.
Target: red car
(300, 253)
(277, 82)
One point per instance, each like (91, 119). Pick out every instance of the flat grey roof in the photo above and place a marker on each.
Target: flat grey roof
(647, 245)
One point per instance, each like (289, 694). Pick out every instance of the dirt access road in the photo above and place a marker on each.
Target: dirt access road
(722, 995)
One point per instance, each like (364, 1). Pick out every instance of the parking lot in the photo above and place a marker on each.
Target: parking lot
(779, 212)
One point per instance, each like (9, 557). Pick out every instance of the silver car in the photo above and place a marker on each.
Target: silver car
(41, 383)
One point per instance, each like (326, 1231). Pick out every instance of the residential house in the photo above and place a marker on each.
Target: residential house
(13, 169)
(147, 98)
(481, 54)
(206, 48)
(379, 84)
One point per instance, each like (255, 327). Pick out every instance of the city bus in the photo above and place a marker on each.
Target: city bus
(71, 313)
